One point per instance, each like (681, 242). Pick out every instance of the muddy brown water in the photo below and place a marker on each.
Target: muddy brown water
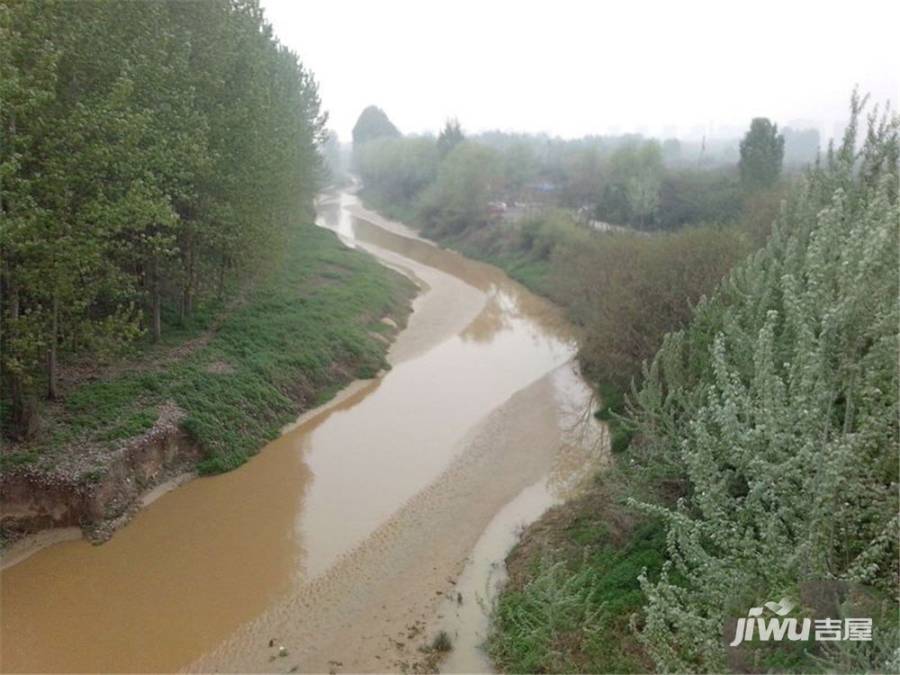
(345, 538)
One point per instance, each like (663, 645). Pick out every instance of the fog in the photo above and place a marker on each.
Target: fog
(577, 68)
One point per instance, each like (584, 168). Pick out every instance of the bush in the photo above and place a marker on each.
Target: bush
(629, 290)
(778, 404)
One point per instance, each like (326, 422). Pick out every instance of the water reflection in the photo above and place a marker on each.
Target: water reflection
(215, 553)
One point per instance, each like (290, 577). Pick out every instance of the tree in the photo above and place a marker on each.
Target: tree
(628, 290)
(373, 123)
(635, 176)
(451, 136)
(135, 176)
(468, 178)
(762, 153)
(397, 169)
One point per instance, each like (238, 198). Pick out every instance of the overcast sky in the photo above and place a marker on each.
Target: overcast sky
(577, 68)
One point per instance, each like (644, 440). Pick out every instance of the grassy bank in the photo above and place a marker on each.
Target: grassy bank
(307, 327)
(573, 588)
(522, 251)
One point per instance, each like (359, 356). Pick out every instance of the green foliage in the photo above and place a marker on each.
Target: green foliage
(762, 153)
(620, 180)
(633, 184)
(397, 169)
(141, 177)
(372, 123)
(573, 611)
(694, 197)
(451, 136)
(777, 408)
(525, 249)
(299, 335)
(467, 179)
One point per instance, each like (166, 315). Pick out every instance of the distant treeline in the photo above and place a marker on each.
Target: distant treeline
(153, 155)
(540, 209)
(626, 180)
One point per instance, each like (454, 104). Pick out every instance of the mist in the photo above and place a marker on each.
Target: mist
(683, 70)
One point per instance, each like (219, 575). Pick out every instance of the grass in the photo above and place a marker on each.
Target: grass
(522, 251)
(574, 590)
(612, 411)
(299, 335)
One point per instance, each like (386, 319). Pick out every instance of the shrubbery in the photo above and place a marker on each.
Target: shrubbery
(777, 407)
(628, 290)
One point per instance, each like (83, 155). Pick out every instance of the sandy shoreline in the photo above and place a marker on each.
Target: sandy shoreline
(375, 608)
(344, 539)
(380, 604)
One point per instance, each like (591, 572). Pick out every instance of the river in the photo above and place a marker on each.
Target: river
(371, 522)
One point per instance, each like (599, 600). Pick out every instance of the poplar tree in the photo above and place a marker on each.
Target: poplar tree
(151, 152)
(762, 154)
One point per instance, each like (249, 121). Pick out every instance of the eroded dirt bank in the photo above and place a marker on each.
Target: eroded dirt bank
(342, 539)
(99, 501)
(124, 426)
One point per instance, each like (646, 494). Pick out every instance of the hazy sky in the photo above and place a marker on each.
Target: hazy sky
(576, 68)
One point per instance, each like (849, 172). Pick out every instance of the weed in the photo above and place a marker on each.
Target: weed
(441, 642)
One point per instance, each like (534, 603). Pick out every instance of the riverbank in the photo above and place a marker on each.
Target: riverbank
(765, 416)
(342, 538)
(322, 317)
(583, 553)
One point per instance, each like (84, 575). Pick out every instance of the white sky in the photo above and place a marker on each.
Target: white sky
(575, 68)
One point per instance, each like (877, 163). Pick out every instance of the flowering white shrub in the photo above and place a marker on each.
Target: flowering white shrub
(777, 409)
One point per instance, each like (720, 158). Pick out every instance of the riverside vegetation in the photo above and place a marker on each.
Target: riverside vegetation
(157, 245)
(757, 448)
(301, 332)
(739, 315)
(140, 180)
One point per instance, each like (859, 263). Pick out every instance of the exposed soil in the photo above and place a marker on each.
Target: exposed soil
(91, 487)
(338, 547)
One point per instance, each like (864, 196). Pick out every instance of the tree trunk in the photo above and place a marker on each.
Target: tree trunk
(52, 389)
(13, 304)
(187, 289)
(24, 419)
(156, 305)
(23, 407)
